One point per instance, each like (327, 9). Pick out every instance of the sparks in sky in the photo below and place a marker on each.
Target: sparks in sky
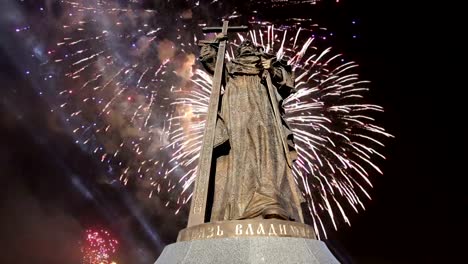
(130, 90)
(335, 133)
(98, 247)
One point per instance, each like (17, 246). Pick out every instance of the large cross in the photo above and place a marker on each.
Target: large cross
(200, 192)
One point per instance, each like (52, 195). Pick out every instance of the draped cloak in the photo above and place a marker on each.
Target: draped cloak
(252, 175)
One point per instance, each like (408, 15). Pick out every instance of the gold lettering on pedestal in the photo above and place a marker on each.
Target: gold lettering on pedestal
(249, 230)
(210, 232)
(272, 231)
(260, 230)
(238, 229)
(294, 230)
(303, 231)
(201, 232)
(282, 229)
(219, 231)
(198, 233)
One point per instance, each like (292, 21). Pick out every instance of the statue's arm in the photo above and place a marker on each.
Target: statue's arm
(283, 77)
(208, 55)
(209, 52)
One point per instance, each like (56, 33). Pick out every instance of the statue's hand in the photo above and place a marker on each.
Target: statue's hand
(206, 51)
(220, 36)
(266, 64)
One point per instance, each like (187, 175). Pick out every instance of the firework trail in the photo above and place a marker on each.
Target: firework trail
(133, 96)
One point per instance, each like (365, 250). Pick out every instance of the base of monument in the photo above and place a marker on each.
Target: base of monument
(252, 250)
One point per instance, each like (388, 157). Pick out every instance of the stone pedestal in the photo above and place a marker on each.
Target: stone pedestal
(247, 241)
(251, 250)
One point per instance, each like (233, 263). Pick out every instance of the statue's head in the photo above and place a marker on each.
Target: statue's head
(246, 47)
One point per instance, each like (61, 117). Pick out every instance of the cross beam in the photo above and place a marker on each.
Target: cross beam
(221, 29)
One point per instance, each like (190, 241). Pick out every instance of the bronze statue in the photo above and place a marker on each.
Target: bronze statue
(253, 176)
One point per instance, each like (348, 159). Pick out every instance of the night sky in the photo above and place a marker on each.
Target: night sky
(50, 191)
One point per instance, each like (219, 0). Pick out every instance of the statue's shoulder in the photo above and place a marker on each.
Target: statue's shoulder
(279, 63)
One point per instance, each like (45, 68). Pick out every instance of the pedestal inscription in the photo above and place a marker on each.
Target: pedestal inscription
(246, 228)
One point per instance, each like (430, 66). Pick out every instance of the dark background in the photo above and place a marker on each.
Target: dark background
(49, 194)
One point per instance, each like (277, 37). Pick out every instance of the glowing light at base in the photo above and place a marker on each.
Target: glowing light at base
(98, 247)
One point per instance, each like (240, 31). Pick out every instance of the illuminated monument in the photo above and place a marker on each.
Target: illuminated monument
(244, 174)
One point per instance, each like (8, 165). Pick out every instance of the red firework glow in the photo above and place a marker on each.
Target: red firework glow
(98, 247)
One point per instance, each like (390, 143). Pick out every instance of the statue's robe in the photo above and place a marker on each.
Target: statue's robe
(252, 176)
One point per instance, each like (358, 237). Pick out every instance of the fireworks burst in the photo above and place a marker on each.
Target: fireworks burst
(133, 96)
(332, 125)
(118, 83)
(98, 247)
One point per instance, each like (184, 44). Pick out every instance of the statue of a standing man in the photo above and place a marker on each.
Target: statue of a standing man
(253, 177)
